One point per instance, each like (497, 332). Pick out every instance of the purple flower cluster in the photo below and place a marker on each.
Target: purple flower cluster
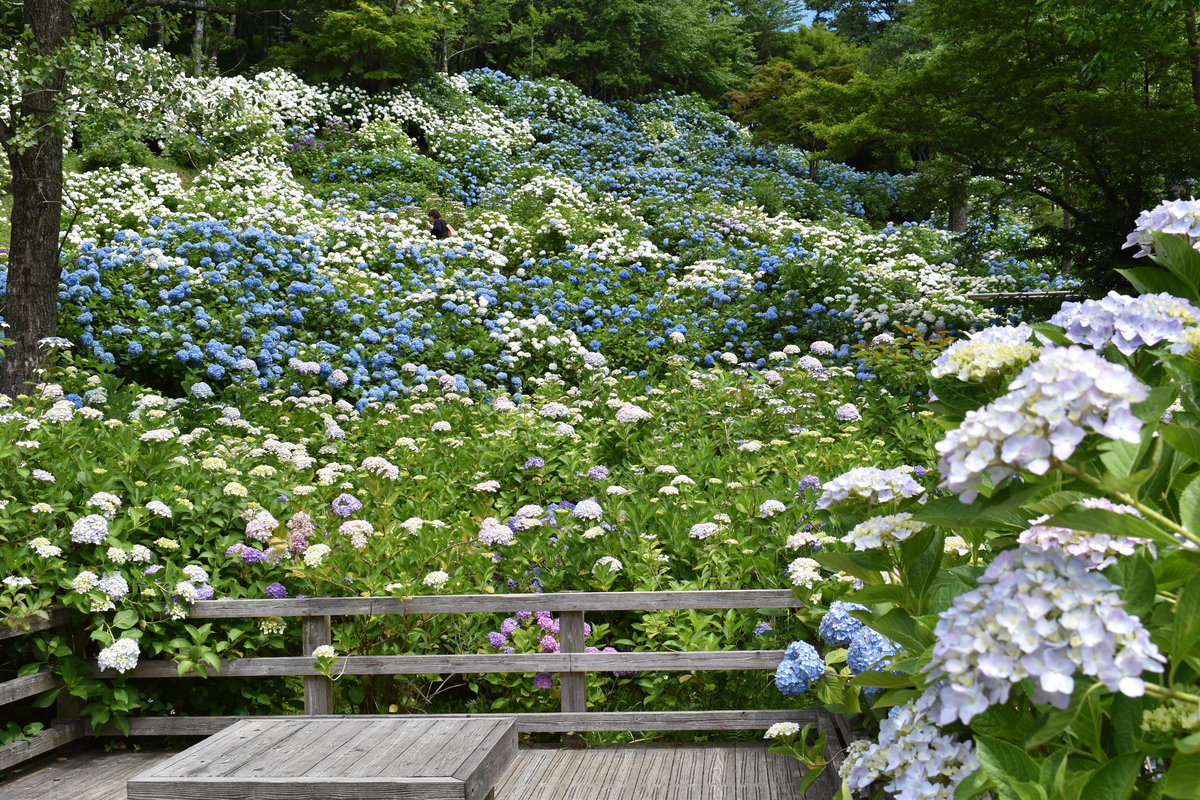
(1127, 322)
(345, 504)
(1049, 409)
(1037, 615)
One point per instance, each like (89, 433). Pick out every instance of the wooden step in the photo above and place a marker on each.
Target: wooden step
(315, 758)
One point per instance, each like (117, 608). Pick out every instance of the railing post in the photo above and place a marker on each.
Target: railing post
(318, 690)
(574, 684)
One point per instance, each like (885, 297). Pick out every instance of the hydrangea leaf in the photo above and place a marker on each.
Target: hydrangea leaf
(1097, 520)
(882, 680)
(1114, 780)
(1182, 780)
(1057, 720)
(1003, 761)
(1185, 631)
(125, 619)
(1184, 439)
(1149, 280)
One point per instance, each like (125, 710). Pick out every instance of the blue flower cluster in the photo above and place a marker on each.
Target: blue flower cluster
(837, 627)
(870, 651)
(801, 665)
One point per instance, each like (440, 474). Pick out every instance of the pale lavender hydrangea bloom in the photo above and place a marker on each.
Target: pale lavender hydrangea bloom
(917, 760)
(92, 529)
(1050, 407)
(1178, 217)
(848, 412)
(261, 526)
(631, 413)
(885, 531)
(1041, 615)
(588, 509)
(493, 532)
(871, 485)
(598, 472)
(770, 508)
(1127, 322)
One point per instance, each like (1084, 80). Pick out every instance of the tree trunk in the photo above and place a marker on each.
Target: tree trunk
(958, 218)
(30, 303)
(814, 168)
(198, 44)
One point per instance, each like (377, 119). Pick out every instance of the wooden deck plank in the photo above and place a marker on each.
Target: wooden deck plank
(393, 749)
(340, 761)
(257, 738)
(470, 737)
(298, 756)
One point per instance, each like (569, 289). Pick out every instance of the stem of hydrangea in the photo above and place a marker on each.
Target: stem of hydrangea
(1130, 500)
(1163, 693)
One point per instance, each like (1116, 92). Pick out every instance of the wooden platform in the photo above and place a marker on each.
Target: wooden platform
(337, 759)
(657, 772)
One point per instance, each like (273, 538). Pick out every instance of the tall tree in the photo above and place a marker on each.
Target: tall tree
(32, 130)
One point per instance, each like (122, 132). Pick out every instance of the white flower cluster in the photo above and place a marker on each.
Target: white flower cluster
(493, 532)
(871, 485)
(781, 730)
(1041, 615)
(631, 413)
(122, 655)
(914, 758)
(878, 532)
(986, 353)
(92, 529)
(1049, 409)
(804, 572)
(1098, 550)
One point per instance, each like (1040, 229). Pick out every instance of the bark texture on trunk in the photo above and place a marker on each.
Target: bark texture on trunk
(1193, 40)
(30, 303)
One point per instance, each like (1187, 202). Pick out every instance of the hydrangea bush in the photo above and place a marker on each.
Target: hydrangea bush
(1025, 621)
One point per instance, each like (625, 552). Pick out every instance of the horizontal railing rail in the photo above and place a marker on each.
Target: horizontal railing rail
(572, 663)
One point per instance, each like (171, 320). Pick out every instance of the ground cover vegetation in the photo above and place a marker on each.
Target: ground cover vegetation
(661, 352)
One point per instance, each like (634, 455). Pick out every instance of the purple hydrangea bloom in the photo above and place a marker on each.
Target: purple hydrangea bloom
(204, 592)
(497, 639)
(153, 568)
(920, 472)
(251, 555)
(762, 627)
(509, 625)
(543, 680)
(548, 644)
(345, 504)
(523, 615)
(535, 462)
(809, 483)
(276, 591)
(598, 472)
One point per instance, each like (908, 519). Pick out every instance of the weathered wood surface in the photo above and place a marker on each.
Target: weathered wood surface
(51, 618)
(44, 742)
(495, 603)
(477, 663)
(28, 686)
(549, 722)
(337, 758)
(318, 690)
(682, 772)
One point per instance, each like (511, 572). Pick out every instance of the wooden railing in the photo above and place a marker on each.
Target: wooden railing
(571, 662)
(66, 727)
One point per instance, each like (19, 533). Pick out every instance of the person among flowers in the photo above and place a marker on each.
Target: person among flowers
(441, 228)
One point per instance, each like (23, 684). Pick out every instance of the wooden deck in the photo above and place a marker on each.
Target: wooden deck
(658, 772)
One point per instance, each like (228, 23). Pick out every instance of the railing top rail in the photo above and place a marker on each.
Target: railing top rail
(496, 603)
(43, 621)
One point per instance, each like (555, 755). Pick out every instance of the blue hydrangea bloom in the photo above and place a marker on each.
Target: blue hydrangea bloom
(870, 651)
(801, 665)
(837, 627)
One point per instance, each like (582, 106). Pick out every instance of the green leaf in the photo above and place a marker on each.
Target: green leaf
(1189, 506)
(973, 785)
(883, 680)
(1058, 720)
(1150, 280)
(1053, 333)
(809, 778)
(1182, 780)
(920, 561)
(125, 619)
(1151, 409)
(1184, 439)
(1002, 761)
(1099, 520)
(899, 626)
(1114, 780)
(1185, 629)
(1136, 578)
